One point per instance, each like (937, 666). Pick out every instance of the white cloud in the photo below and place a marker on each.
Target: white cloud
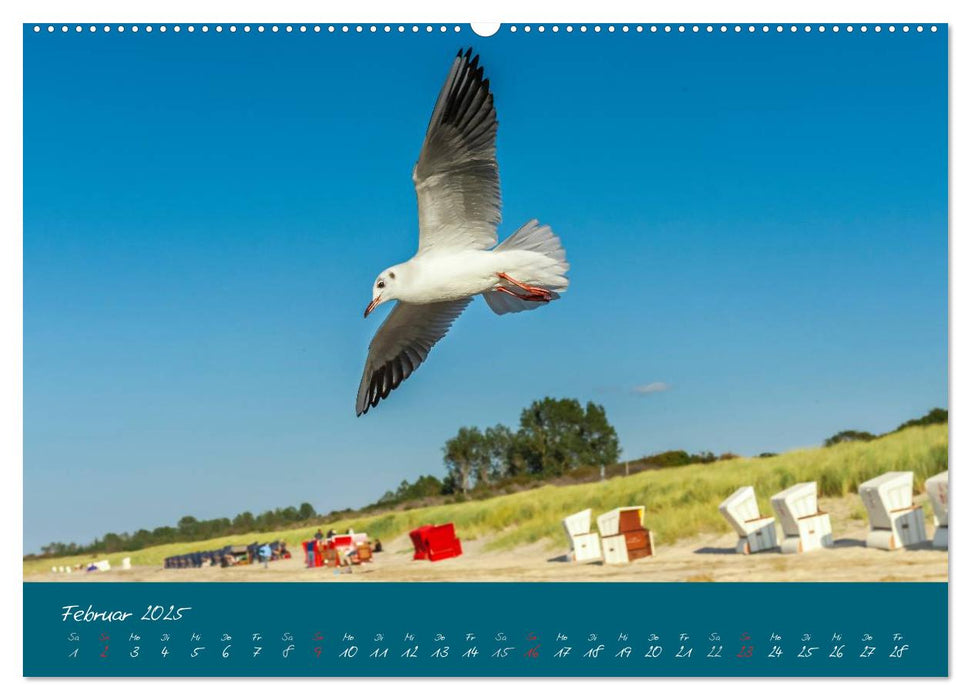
(652, 388)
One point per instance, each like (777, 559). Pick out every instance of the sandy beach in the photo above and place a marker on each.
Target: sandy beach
(702, 558)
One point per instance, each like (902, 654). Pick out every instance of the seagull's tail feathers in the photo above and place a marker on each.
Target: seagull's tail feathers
(534, 256)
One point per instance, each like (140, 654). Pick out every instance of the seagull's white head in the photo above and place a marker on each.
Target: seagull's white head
(385, 289)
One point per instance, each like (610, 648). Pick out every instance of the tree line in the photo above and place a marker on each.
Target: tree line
(554, 437)
(188, 529)
(934, 416)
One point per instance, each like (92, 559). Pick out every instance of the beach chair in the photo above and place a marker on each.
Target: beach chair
(804, 526)
(253, 553)
(363, 553)
(755, 533)
(338, 541)
(309, 551)
(895, 521)
(329, 557)
(584, 545)
(435, 542)
(418, 541)
(442, 542)
(937, 491)
(240, 554)
(623, 536)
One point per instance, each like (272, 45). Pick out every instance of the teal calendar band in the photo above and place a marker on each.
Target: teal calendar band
(485, 629)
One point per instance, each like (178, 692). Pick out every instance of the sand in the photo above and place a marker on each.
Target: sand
(702, 558)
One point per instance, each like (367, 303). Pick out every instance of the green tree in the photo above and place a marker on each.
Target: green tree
(671, 458)
(425, 486)
(244, 522)
(164, 535)
(849, 436)
(556, 435)
(188, 527)
(935, 415)
(113, 542)
(141, 539)
(467, 456)
(499, 444)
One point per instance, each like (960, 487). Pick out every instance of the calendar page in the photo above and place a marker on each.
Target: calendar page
(442, 350)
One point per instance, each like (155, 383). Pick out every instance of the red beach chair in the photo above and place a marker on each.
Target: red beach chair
(442, 542)
(418, 539)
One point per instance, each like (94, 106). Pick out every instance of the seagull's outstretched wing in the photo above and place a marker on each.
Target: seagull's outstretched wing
(401, 344)
(457, 177)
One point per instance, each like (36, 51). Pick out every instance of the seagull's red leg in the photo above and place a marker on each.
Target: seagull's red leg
(524, 297)
(533, 293)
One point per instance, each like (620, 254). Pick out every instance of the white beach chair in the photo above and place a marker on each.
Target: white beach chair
(894, 519)
(623, 535)
(584, 545)
(804, 528)
(610, 522)
(755, 533)
(937, 491)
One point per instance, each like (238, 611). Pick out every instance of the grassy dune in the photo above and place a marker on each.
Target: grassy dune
(681, 501)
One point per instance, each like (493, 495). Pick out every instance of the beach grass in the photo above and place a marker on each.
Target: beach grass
(681, 501)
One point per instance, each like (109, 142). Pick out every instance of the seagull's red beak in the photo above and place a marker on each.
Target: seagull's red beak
(370, 307)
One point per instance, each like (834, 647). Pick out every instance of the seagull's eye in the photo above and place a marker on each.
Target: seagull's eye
(381, 284)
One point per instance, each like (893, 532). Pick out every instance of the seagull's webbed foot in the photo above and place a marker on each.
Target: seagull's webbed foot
(532, 293)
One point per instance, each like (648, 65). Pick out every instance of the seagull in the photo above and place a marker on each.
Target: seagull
(457, 182)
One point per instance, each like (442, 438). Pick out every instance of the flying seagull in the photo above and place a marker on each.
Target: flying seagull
(457, 182)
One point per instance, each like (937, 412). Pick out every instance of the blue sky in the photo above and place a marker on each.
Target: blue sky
(757, 227)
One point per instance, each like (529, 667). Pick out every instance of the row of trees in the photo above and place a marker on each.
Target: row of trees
(554, 437)
(188, 529)
(679, 458)
(935, 415)
(558, 437)
(424, 487)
